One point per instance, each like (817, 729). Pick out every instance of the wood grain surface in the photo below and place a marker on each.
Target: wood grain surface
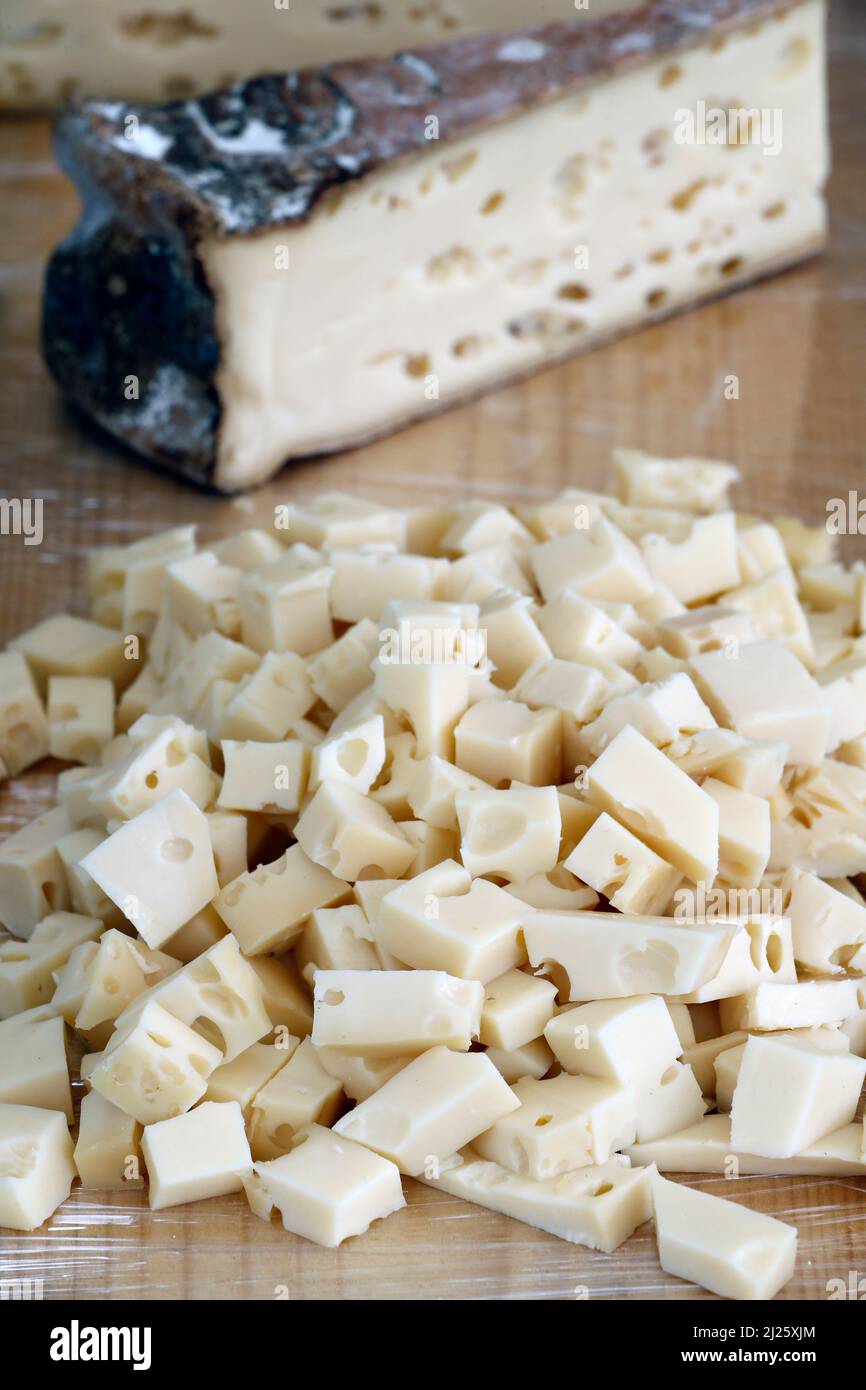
(796, 343)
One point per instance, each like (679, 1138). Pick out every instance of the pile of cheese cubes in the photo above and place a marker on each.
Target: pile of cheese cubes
(507, 850)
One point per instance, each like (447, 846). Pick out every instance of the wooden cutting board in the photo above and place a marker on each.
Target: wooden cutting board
(797, 346)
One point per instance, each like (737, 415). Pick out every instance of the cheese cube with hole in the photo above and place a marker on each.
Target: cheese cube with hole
(828, 928)
(218, 993)
(28, 968)
(80, 717)
(36, 1165)
(433, 791)
(744, 833)
(599, 562)
(336, 938)
(788, 1096)
(767, 693)
(201, 594)
(391, 788)
(564, 1122)
(154, 1067)
(624, 870)
(394, 1013)
(120, 969)
(662, 711)
(300, 1094)
(670, 1104)
(264, 776)
(34, 1069)
(698, 560)
(608, 955)
(760, 950)
(504, 741)
(689, 484)
(629, 1041)
(430, 698)
(432, 1107)
(63, 645)
(517, 1006)
(713, 627)
(808, 1004)
(354, 756)
(513, 833)
(32, 881)
(268, 701)
(642, 789)
(352, 836)
(108, 1147)
(326, 1188)
(723, 1246)
(23, 726)
(202, 1154)
(265, 909)
(151, 769)
(444, 920)
(599, 1205)
(342, 671)
(158, 868)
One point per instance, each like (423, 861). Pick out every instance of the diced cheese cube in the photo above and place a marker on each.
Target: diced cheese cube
(504, 740)
(264, 776)
(156, 1067)
(670, 1104)
(32, 881)
(628, 1041)
(787, 1096)
(33, 1065)
(394, 1013)
(627, 872)
(36, 1165)
(266, 907)
(23, 726)
(516, 1008)
(301, 1093)
(562, 1123)
(513, 833)
(326, 1188)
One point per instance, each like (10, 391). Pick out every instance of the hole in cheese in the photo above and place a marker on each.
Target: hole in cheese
(176, 851)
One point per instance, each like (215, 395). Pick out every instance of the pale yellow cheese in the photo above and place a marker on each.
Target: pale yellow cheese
(788, 1096)
(394, 1013)
(563, 1123)
(36, 1165)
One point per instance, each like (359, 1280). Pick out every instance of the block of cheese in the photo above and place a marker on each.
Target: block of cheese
(828, 928)
(158, 868)
(430, 1109)
(760, 950)
(359, 1076)
(721, 1245)
(608, 955)
(86, 897)
(154, 1068)
(28, 968)
(336, 938)
(727, 1064)
(240, 177)
(629, 1041)
(623, 869)
(788, 1096)
(63, 645)
(769, 1007)
(639, 786)
(301, 1093)
(153, 766)
(670, 1104)
(32, 881)
(516, 1008)
(285, 997)
(326, 1188)
(80, 717)
(265, 908)
(513, 834)
(767, 693)
(444, 920)
(532, 1059)
(563, 1122)
(744, 833)
(34, 1069)
(108, 1147)
(599, 1205)
(264, 776)
(241, 1079)
(101, 979)
(218, 994)
(662, 711)
(23, 726)
(36, 1165)
(394, 1013)
(705, 1147)
(202, 1154)
(348, 834)
(505, 741)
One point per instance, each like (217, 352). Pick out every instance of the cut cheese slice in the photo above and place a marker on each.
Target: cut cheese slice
(706, 1147)
(384, 238)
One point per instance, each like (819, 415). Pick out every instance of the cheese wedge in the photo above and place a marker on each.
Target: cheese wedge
(423, 228)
